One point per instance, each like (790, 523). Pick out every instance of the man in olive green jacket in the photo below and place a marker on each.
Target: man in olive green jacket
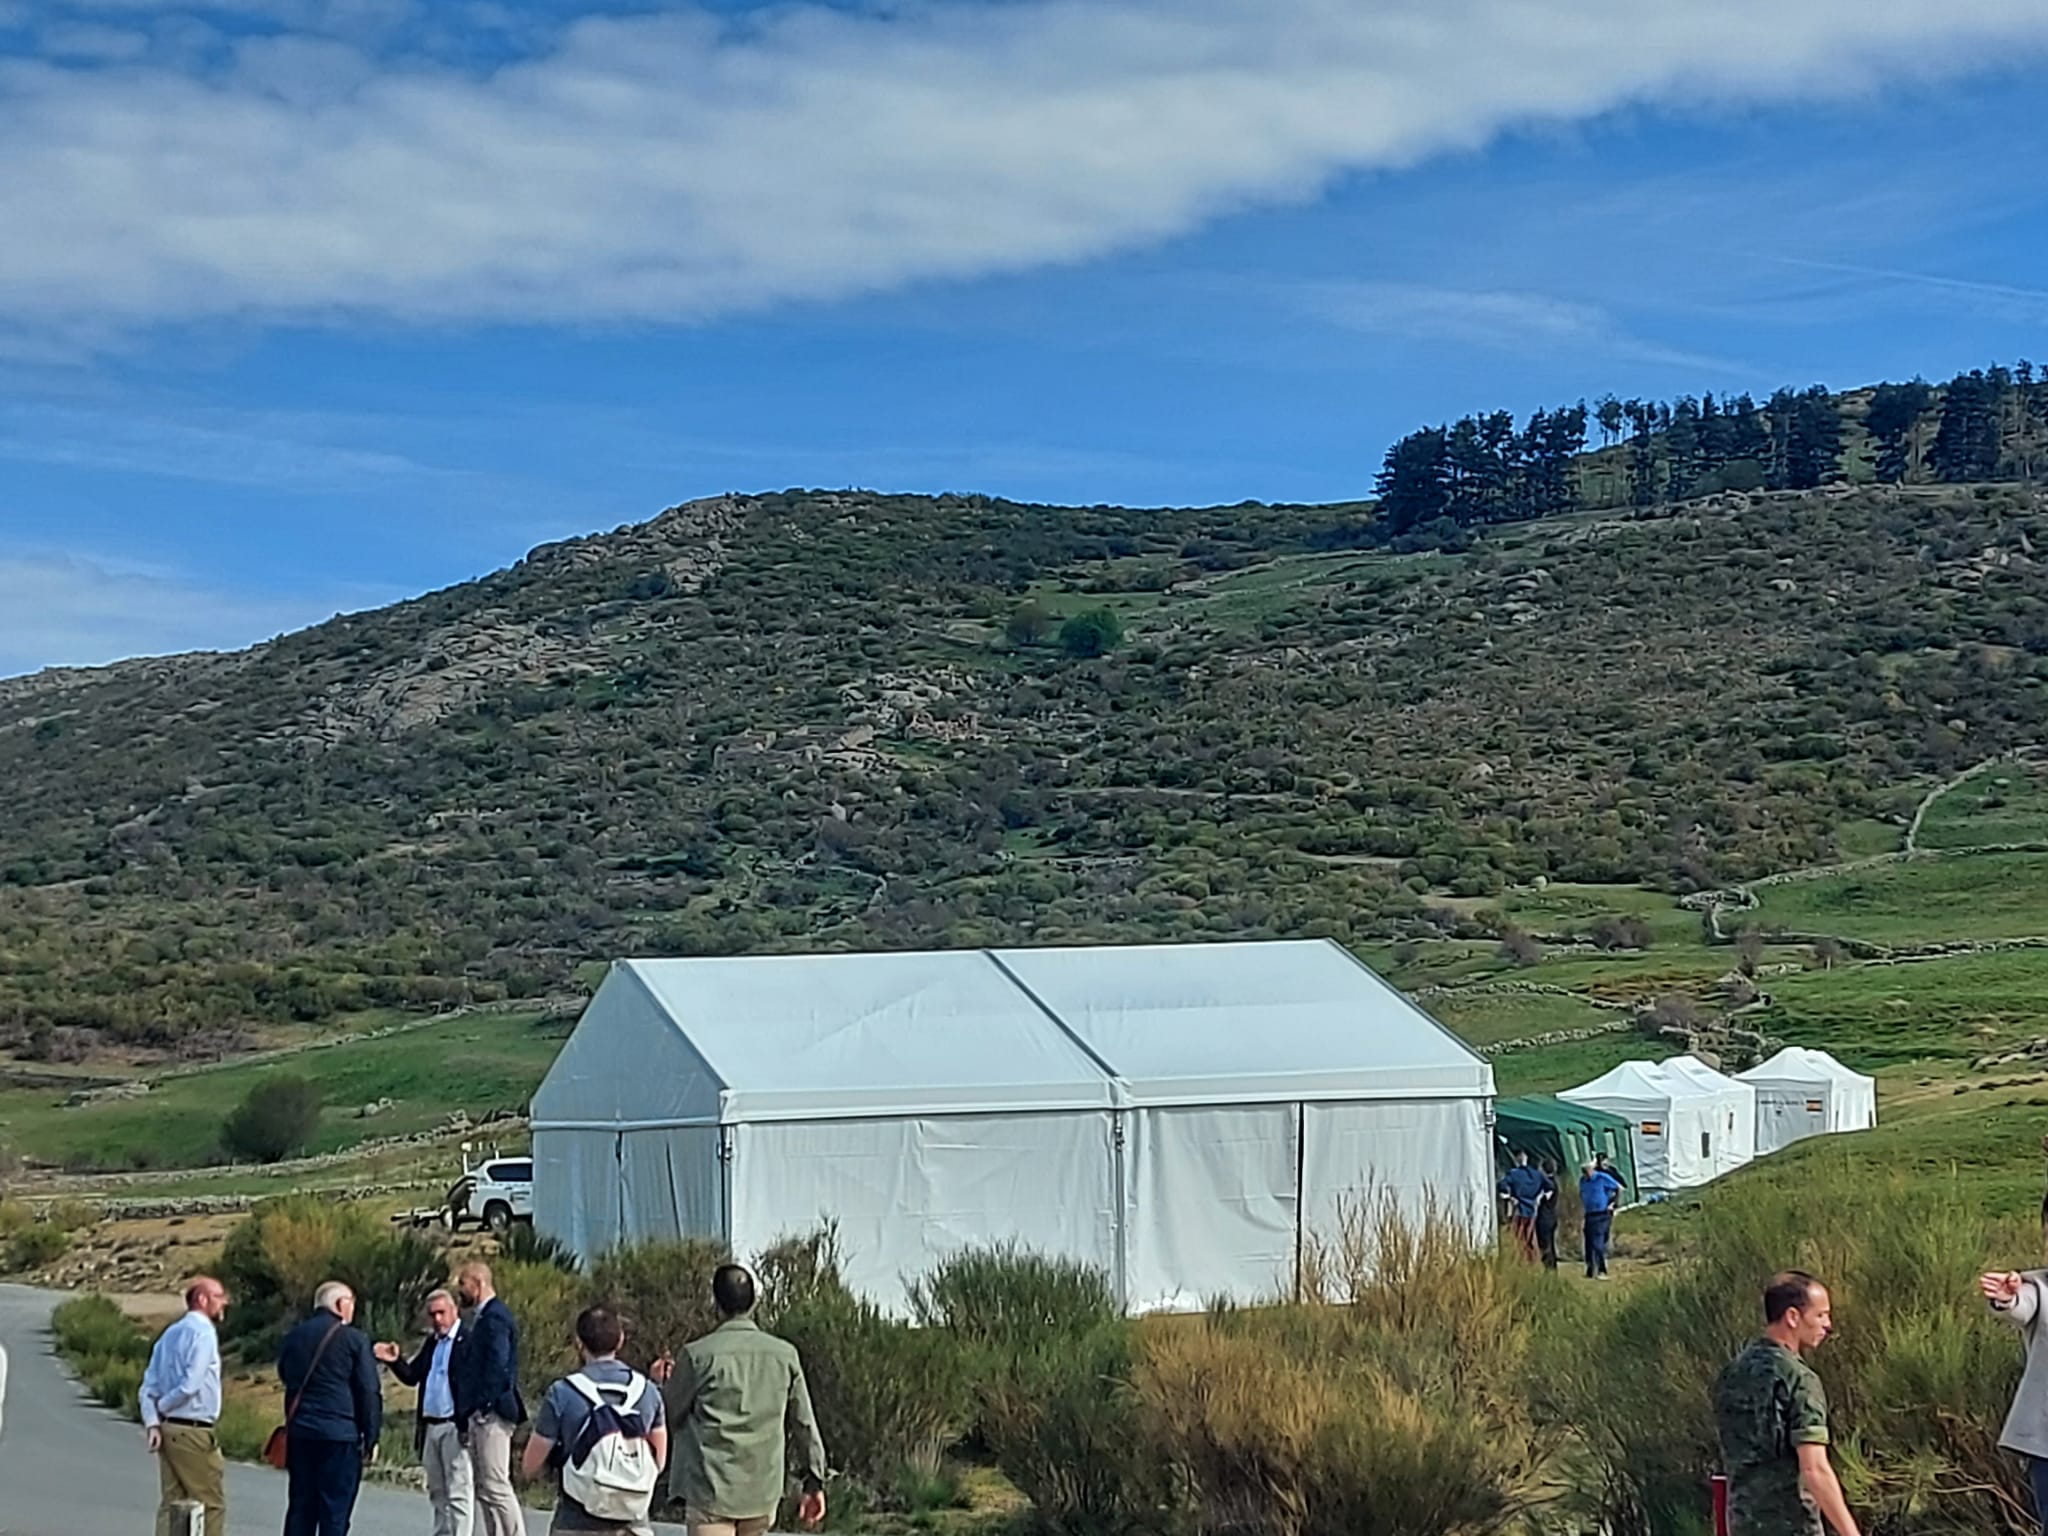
(734, 1389)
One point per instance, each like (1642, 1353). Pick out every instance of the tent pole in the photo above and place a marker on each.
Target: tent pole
(1300, 1192)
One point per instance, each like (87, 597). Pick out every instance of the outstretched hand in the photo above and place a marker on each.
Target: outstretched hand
(2002, 1290)
(386, 1353)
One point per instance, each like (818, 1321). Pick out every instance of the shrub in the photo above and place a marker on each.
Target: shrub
(277, 1119)
(523, 1243)
(274, 1261)
(14, 1215)
(1402, 1408)
(1029, 624)
(73, 1215)
(662, 1291)
(105, 1347)
(891, 1399)
(544, 1299)
(1008, 1299)
(1096, 632)
(34, 1246)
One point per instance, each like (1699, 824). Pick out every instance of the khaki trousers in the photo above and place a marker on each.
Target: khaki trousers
(451, 1489)
(711, 1525)
(189, 1464)
(490, 1458)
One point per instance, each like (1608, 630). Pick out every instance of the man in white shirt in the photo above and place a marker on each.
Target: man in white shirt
(180, 1402)
(436, 1435)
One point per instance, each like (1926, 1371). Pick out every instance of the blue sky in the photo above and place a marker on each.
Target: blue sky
(310, 304)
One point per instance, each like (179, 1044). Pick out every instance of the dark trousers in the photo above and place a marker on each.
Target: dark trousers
(1546, 1241)
(2037, 1470)
(1598, 1225)
(324, 1477)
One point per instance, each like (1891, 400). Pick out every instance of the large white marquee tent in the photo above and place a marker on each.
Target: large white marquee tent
(1802, 1092)
(1691, 1123)
(1185, 1117)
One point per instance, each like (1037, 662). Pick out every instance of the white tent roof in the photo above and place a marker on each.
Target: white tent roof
(1640, 1082)
(1208, 1023)
(783, 1037)
(1799, 1066)
(1693, 1071)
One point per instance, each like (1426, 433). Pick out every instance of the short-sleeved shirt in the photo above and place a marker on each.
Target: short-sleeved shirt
(1524, 1186)
(1768, 1403)
(560, 1420)
(1598, 1191)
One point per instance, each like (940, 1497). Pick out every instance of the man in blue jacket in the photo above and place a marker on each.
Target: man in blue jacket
(487, 1403)
(1599, 1193)
(334, 1413)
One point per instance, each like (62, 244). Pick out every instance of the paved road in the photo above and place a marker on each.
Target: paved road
(70, 1468)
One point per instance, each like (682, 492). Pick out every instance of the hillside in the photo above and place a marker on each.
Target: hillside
(803, 719)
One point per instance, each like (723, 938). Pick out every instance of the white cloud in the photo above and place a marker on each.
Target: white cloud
(281, 452)
(68, 609)
(678, 165)
(1500, 318)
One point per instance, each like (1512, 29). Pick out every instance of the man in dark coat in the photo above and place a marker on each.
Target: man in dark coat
(436, 1438)
(334, 1414)
(487, 1402)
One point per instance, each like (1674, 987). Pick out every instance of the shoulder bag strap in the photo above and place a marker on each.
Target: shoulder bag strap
(292, 1408)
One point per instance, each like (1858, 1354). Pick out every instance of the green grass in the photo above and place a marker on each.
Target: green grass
(1488, 1018)
(1951, 1009)
(1980, 896)
(1564, 908)
(1550, 1068)
(2007, 805)
(1868, 839)
(475, 1063)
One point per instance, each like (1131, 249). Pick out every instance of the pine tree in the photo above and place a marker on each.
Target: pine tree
(1966, 444)
(1682, 456)
(1414, 484)
(1813, 442)
(1894, 414)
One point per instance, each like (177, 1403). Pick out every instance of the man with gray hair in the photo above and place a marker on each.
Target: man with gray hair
(333, 1414)
(436, 1437)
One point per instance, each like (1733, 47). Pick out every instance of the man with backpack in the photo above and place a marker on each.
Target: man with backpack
(603, 1427)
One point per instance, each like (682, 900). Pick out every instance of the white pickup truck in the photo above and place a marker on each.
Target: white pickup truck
(494, 1193)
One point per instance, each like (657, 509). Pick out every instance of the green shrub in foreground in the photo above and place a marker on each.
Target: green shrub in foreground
(34, 1246)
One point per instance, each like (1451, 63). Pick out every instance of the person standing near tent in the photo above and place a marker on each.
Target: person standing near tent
(1546, 1215)
(741, 1398)
(2019, 1299)
(487, 1404)
(1599, 1192)
(1772, 1415)
(1522, 1188)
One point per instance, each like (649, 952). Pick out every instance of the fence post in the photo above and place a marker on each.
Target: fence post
(1720, 1504)
(188, 1519)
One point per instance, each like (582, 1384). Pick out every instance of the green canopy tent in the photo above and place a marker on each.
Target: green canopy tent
(1568, 1134)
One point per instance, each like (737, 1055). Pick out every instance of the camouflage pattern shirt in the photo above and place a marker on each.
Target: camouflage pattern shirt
(1768, 1403)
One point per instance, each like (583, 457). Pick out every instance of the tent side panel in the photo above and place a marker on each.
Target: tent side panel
(576, 1189)
(671, 1184)
(1430, 1156)
(1211, 1209)
(905, 1194)
(1653, 1139)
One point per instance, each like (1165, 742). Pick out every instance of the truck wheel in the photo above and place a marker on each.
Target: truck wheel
(498, 1217)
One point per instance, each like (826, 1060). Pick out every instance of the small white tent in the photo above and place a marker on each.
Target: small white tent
(1184, 1117)
(1691, 1123)
(1802, 1092)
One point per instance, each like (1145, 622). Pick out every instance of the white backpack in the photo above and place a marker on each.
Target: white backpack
(610, 1468)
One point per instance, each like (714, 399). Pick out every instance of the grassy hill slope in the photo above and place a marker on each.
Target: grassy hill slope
(796, 720)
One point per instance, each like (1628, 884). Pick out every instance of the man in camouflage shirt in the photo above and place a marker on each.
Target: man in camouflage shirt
(1773, 1419)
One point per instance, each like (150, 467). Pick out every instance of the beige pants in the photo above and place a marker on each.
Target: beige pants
(450, 1487)
(189, 1463)
(490, 1459)
(711, 1525)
